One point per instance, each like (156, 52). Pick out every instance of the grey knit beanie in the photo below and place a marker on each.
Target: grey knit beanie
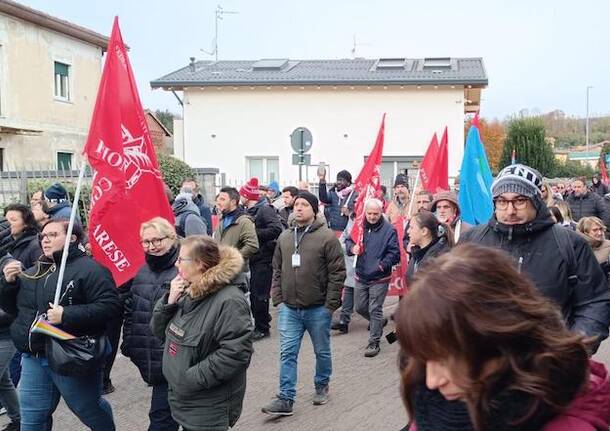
(518, 179)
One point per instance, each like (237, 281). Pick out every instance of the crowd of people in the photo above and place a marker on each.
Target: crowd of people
(496, 331)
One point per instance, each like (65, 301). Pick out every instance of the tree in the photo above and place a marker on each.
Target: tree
(166, 118)
(174, 171)
(527, 137)
(493, 137)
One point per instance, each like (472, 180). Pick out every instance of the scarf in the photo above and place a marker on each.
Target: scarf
(163, 262)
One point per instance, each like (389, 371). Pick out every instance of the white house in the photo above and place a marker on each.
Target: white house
(49, 73)
(239, 115)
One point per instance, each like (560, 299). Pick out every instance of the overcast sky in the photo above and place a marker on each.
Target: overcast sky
(540, 55)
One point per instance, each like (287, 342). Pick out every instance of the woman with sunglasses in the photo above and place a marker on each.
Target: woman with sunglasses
(206, 324)
(161, 249)
(482, 349)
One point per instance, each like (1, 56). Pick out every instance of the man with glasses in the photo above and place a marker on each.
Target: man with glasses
(560, 263)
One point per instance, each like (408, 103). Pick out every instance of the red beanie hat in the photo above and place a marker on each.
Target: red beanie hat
(250, 190)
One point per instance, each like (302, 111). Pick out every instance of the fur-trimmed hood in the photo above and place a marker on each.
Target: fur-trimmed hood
(219, 276)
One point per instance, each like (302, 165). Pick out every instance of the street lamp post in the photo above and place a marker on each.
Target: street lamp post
(589, 87)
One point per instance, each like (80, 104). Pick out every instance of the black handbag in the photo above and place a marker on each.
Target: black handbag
(78, 357)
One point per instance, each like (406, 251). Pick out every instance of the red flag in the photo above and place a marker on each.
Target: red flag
(602, 169)
(398, 281)
(426, 170)
(442, 165)
(475, 120)
(127, 187)
(367, 184)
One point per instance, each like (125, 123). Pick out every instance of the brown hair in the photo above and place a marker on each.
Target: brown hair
(472, 306)
(203, 249)
(426, 219)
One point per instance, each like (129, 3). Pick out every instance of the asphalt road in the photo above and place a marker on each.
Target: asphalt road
(364, 393)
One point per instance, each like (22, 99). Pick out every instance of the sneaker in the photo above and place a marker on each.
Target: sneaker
(385, 323)
(371, 350)
(338, 325)
(259, 335)
(278, 407)
(108, 389)
(13, 426)
(321, 395)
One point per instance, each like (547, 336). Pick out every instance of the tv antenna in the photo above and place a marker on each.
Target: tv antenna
(219, 12)
(355, 45)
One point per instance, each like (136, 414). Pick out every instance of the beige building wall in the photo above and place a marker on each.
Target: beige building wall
(224, 126)
(35, 124)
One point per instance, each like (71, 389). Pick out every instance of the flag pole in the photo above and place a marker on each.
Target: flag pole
(414, 192)
(64, 256)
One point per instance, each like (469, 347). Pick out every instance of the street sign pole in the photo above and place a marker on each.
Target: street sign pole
(302, 132)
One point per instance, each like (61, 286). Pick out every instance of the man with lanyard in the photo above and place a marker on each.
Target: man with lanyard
(308, 274)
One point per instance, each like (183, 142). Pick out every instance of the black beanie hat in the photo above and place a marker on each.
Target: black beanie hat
(401, 180)
(310, 198)
(345, 175)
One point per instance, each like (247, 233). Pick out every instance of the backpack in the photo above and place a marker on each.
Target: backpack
(180, 228)
(565, 244)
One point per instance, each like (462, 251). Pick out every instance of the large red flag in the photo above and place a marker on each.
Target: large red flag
(367, 184)
(426, 170)
(127, 187)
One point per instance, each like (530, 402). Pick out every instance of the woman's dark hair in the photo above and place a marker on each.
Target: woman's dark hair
(427, 219)
(472, 306)
(556, 214)
(204, 249)
(77, 229)
(29, 220)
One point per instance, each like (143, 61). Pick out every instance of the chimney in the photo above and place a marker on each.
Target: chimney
(192, 64)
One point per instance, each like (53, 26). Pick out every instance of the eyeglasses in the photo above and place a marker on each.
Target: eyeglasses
(518, 203)
(184, 259)
(49, 235)
(154, 242)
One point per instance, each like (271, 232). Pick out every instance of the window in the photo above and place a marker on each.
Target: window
(62, 81)
(438, 63)
(266, 169)
(64, 161)
(1, 159)
(391, 63)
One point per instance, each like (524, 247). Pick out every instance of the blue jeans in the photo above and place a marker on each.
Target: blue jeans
(8, 394)
(40, 389)
(293, 322)
(160, 414)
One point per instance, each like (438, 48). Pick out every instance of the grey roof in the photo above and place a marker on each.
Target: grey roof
(429, 71)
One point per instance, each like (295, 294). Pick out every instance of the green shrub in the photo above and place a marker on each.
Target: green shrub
(174, 171)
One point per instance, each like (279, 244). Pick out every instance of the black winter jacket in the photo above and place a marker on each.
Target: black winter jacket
(584, 302)
(26, 249)
(333, 204)
(148, 286)
(589, 204)
(420, 257)
(88, 295)
(381, 252)
(206, 213)
(268, 229)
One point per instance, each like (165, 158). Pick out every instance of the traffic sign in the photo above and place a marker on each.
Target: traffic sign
(301, 140)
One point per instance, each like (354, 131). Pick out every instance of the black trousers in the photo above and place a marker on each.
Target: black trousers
(260, 288)
(113, 332)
